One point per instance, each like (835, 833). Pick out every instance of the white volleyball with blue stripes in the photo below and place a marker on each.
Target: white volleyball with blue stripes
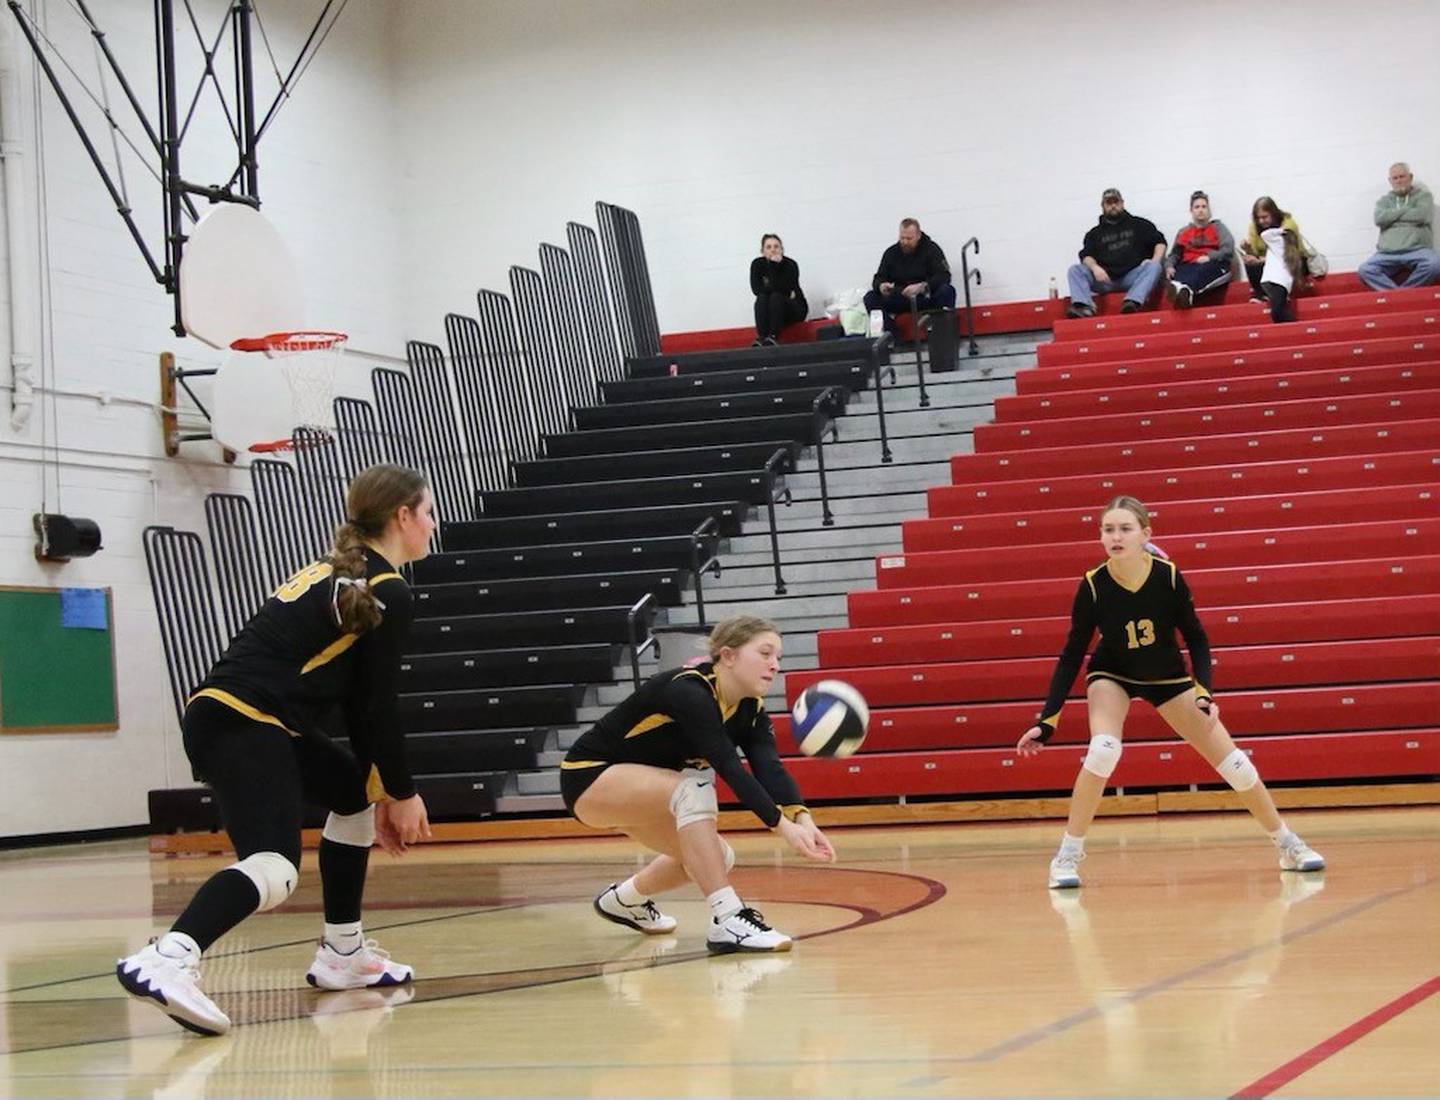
(829, 719)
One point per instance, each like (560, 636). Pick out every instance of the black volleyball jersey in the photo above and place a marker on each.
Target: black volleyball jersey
(291, 665)
(1137, 634)
(676, 719)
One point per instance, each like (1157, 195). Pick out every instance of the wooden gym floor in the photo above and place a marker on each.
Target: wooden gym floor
(931, 962)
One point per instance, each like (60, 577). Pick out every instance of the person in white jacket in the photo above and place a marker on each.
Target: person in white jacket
(1283, 260)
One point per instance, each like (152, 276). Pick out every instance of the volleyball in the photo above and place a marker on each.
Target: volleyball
(829, 719)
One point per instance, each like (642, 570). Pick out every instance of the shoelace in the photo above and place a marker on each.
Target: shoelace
(753, 917)
(188, 965)
(370, 947)
(1069, 860)
(650, 911)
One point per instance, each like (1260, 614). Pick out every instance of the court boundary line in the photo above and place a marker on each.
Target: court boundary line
(1160, 985)
(864, 915)
(1327, 1048)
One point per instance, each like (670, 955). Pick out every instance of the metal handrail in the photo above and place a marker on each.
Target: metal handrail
(697, 567)
(879, 360)
(645, 602)
(966, 273)
(824, 404)
(771, 496)
(919, 359)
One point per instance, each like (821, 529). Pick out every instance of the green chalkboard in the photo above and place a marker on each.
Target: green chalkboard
(56, 677)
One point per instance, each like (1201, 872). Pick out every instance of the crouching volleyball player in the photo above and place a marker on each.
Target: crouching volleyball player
(1138, 602)
(648, 768)
(329, 637)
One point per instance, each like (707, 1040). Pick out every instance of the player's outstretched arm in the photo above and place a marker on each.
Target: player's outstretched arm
(807, 840)
(1032, 740)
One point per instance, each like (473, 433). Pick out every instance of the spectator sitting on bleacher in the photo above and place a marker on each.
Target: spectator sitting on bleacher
(775, 282)
(1282, 264)
(1253, 249)
(1405, 215)
(912, 269)
(1201, 257)
(1122, 252)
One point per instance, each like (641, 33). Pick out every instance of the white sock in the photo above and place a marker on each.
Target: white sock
(344, 938)
(1281, 835)
(627, 893)
(724, 902)
(1070, 843)
(177, 945)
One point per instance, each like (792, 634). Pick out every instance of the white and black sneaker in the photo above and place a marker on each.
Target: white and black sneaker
(745, 930)
(643, 917)
(172, 984)
(1065, 869)
(1296, 855)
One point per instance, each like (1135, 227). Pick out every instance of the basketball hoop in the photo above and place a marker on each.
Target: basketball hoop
(307, 359)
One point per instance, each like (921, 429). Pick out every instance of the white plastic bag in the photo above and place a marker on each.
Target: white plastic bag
(848, 307)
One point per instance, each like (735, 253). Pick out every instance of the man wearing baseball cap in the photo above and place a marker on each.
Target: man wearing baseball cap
(1122, 252)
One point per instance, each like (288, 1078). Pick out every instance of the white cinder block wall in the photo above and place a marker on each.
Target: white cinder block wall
(828, 121)
(436, 142)
(327, 176)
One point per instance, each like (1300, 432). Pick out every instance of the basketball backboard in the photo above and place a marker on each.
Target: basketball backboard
(238, 279)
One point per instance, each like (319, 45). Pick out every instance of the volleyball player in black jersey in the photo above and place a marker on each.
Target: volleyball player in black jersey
(325, 645)
(648, 768)
(1138, 602)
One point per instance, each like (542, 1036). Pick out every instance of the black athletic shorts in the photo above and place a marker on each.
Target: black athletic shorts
(263, 777)
(576, 781)
(1154, 694)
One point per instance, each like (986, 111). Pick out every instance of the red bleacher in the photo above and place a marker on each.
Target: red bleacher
(1040, 313)
(1289, 412)
(1180, 516)
(1293, 473)
(1306, 309)
(1256, 334)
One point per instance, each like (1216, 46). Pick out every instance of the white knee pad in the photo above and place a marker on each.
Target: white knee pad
(1238, 770)
(1104, 755)
(694, 797)
(356, 830)
(274, 876)
(728, 852)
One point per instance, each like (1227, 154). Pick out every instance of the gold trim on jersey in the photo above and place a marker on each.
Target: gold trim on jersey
(794, 810)
(727, 710)
(1174, 572)
(240, 706)
(569, 764)
(1090, 580)
(648, 723)
(330, 652)
(378, 577)
(1149, 565)
(1131, 680)
(374, 786)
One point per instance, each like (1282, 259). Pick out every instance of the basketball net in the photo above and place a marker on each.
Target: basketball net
(308, 361)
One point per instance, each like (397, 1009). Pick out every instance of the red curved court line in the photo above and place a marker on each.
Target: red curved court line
(1282, 1076)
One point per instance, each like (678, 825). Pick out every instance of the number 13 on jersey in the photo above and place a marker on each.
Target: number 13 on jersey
(1140, 632)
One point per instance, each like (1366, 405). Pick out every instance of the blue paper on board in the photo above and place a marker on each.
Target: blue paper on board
(83, 608)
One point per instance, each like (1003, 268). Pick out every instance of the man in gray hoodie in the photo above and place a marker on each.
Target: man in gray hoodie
(1405, 215)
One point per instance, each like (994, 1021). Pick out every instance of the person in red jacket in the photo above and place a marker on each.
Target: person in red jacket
(1202, 257)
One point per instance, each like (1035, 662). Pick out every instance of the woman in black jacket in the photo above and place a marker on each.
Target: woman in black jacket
(775, 282)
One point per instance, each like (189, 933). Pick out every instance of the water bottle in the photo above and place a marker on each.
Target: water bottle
(1054, 288)
(877, 323)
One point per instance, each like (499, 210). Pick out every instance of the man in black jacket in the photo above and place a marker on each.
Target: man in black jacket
(913, 268)
(1122, 252)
